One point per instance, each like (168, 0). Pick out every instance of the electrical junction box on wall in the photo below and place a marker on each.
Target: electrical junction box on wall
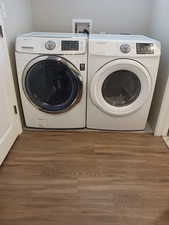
(82, 26)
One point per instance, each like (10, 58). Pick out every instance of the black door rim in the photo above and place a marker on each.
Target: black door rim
(76, 74)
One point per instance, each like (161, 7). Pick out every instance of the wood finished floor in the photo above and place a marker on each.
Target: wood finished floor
(85, 178)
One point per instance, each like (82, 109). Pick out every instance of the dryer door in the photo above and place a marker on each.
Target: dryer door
(52, 84)
(120, 87)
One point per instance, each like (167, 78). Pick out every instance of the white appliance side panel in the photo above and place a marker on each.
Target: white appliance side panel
(97, 119)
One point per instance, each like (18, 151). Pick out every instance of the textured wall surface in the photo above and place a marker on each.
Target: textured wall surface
(18, 20)
(110, 16)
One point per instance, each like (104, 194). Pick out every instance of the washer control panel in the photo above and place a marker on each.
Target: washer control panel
(70, 45)
(50, 45)
(125, 48)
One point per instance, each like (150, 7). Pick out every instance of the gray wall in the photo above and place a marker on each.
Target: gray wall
(19, 20)
(159, 29)
(110, 16)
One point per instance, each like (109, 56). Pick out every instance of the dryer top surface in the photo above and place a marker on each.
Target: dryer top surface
(119, 37)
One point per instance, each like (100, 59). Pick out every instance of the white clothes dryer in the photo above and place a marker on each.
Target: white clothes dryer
(122, 72)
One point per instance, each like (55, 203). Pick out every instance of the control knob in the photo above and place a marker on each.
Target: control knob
(125, 48)
(50, 45)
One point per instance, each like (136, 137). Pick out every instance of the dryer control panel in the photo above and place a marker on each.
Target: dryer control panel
(124, 46)
(124, 49)
(145, 48)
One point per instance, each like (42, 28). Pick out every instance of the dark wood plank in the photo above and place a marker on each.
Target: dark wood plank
(85, 178)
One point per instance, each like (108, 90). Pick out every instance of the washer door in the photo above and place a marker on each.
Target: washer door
(52, 84)
(120, 87)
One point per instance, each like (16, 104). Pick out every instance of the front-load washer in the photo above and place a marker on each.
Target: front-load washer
(52, 75)
(122, 72)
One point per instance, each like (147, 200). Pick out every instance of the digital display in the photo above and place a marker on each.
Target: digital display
(145, 48)
(70, 45)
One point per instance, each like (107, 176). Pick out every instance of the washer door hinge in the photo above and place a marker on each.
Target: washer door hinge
(15, 109)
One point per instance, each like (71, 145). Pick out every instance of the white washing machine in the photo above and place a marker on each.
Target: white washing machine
(122, 72)
(52, 75)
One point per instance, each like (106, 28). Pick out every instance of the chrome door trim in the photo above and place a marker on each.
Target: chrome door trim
(74, 70)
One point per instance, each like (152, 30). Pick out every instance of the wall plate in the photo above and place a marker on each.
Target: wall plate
(82, 26)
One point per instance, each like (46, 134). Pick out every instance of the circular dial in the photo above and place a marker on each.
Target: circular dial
(125, 48)
(50, 45)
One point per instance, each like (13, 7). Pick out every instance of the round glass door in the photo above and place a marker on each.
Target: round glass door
(52, 84)
(120, 87)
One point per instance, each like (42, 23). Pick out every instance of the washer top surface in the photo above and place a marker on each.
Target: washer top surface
(53, 35)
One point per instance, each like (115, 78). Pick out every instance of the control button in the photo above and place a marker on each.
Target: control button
(82, 67)
(50, 45)
(125, 48)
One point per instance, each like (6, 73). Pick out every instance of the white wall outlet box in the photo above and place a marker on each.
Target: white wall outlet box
(82, 26)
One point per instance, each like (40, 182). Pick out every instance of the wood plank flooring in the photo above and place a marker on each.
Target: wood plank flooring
(85, 178)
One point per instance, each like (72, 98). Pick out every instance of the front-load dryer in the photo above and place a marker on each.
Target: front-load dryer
(52, 75)
(122, 73)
